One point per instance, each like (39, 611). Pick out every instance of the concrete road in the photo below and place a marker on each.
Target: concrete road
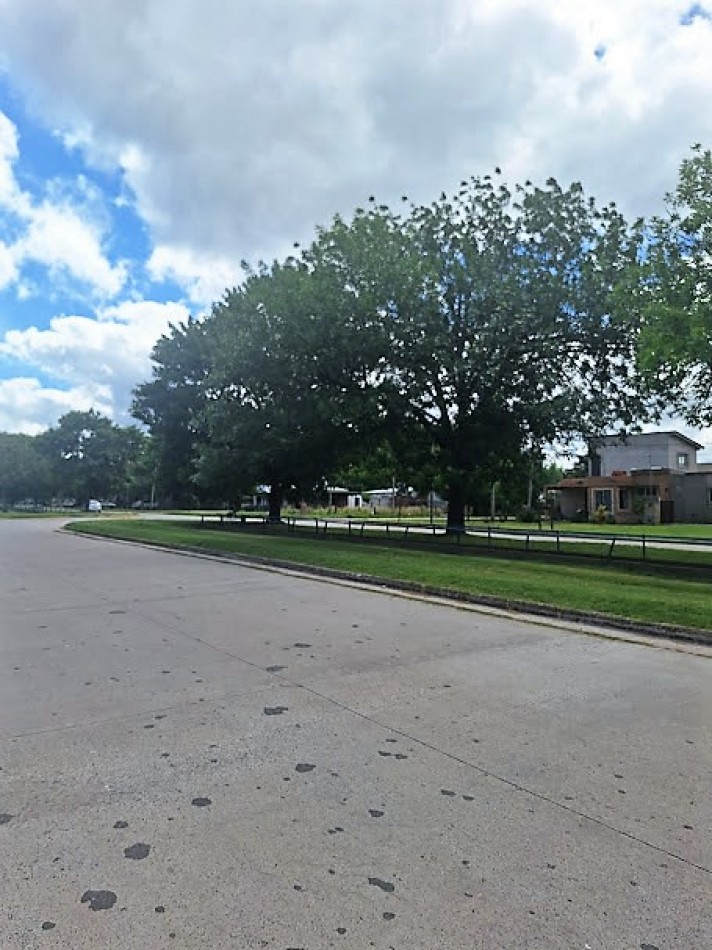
(195, 754)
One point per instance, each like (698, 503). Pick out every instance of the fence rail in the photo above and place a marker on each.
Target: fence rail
(492, 537)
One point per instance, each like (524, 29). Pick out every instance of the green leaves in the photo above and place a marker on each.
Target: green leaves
(464, 333)
(670, 292)
(90, 457)
(170, 405)
(24, 472)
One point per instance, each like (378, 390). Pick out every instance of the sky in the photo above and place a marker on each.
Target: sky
(147, 147)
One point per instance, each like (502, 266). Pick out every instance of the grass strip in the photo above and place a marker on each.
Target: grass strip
(593, 548)
(606, 589)
(16, 515)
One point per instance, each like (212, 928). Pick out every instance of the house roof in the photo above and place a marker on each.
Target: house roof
(678, 435)
(640, 477)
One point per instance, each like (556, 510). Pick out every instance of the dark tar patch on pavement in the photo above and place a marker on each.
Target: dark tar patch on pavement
(137, 852)
(99, 900)
(384, 885)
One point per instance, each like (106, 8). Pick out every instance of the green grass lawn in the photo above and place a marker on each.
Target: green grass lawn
(694, 531)
(701, 531)
(599, 546)
(607, 589)
(9, 515)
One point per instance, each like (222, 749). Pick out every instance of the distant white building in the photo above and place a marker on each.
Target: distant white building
(381, 497)
(343, 498)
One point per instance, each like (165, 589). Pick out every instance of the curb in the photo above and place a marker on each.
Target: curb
(443, 595)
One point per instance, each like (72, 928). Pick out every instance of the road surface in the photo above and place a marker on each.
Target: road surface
(195, 754)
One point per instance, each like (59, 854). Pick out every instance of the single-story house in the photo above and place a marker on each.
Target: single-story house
(381, 497)
(343, 498)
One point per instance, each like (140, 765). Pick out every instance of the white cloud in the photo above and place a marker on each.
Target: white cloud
(62, 233)
(240, 130)
(11, 198)
(100, 358)
(240, 126)
(28, 406)
(8, 266)
(58, 238)
(203, 278)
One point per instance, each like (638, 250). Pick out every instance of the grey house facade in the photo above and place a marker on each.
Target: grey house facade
(651, 477)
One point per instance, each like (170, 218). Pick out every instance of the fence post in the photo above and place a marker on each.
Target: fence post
(643, 547)
(558, 542)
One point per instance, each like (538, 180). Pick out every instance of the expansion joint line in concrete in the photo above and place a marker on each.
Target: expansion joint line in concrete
(510, 783)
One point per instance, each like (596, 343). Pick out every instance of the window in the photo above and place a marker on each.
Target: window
(682, 459)
(648, 491)
(602, 499)
(623, 499)
(709, 495)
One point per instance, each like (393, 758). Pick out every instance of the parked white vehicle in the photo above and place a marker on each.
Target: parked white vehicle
(94, 505)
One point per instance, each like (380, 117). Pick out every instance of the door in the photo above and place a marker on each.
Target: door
(667, 511)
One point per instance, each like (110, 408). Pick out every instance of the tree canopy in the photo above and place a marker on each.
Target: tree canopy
(670, 291)
(91, 457)
(85, 455)
(287, 394)
(25, 474)
(491, 312)
(169, 406)
(464, 335)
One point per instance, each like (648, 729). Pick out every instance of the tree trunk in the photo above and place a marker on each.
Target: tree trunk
(456, 505)
(276, 495)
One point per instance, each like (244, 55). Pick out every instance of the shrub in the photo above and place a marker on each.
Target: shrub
(602, 516)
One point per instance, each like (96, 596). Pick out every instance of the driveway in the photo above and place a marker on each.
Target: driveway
(195, 754)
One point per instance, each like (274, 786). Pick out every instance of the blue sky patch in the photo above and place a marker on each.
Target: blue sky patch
(695, 12)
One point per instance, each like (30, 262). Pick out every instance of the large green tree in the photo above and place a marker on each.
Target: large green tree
(670, 290)
(492, 314)
(468, 333)
(288, 392)
(169, 405)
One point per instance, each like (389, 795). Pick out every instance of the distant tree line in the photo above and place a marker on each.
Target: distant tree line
(84, 456)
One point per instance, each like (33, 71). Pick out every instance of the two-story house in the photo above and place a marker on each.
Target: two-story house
(651, 477)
